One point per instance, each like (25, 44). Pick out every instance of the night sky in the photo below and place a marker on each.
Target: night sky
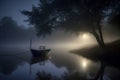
(12, 8)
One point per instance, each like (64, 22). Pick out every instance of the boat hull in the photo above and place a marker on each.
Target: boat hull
(38, 53)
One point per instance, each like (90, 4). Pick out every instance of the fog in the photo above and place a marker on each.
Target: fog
(14, 35)
(61, 39)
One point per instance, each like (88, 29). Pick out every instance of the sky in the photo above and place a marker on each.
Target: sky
(12, 8)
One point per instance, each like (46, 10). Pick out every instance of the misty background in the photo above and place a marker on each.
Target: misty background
(14, 29)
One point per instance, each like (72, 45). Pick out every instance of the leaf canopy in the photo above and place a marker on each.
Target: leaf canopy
(71, 15)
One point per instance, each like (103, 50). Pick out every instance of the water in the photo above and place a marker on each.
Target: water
(18, 64)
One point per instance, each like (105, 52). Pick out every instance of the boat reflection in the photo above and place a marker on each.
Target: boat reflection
(41, 59)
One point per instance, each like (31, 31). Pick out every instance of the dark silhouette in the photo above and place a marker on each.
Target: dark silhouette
(73, 16)
(100, 73)
(41, 52)
(40, 59)
(115, 21)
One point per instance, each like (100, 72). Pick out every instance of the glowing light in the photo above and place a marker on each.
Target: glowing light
(84, 64)
(85, 36)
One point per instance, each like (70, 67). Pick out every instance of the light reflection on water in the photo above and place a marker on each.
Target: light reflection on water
(15, 64)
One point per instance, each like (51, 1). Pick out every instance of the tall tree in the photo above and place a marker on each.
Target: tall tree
(72, 15)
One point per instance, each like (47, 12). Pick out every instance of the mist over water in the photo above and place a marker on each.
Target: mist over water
(18, 58)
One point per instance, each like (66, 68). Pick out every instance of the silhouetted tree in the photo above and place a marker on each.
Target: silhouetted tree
(72, 15)
(9, 28)
(10, 31)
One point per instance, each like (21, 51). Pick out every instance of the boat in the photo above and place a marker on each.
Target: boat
(41, 52)
(37, 53)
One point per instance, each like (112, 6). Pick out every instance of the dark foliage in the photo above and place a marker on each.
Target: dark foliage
(72, 15)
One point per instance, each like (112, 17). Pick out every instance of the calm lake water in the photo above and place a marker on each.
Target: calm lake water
(18, 64)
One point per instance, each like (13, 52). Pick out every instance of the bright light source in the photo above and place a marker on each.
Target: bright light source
(84, 64)
(85, 36)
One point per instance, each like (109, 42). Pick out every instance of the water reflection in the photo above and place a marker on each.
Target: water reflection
(9, 63)
(60, 65)
(84, 64)
(41, 60)
(106, 60)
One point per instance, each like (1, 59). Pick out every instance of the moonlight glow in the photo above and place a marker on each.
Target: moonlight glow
(85, 36)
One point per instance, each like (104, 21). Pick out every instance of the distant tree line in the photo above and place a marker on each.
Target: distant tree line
(10, 31)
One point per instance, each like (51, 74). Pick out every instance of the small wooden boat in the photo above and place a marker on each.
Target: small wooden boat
(41, 52)
(37, 53)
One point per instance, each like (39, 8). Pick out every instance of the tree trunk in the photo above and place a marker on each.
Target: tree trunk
(98, 38)
(101, 35)
(100, 73)
(97, 32)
